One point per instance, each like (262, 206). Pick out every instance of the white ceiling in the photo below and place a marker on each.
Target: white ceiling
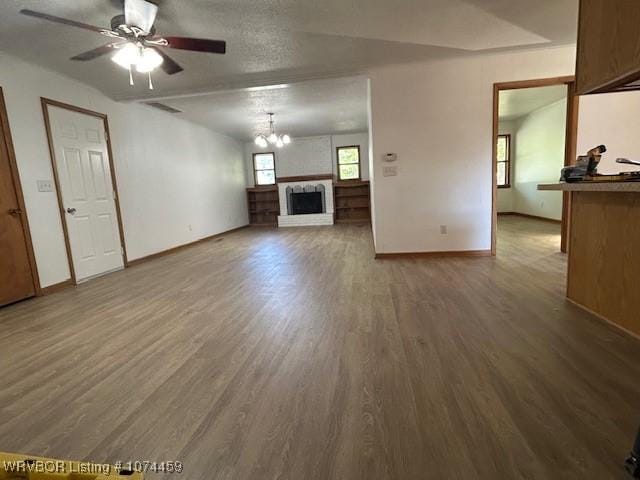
(282, 41)
(301, 109)
(514, 104)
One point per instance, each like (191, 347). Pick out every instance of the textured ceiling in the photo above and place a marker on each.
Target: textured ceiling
(280, 41)
(302, 109)
(517, 103)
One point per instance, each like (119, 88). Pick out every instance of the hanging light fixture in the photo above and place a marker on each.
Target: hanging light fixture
(143, 59)
(272, 137)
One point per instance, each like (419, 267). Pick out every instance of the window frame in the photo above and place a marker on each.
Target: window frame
(507, 161)
(256, 170)
(344, 147)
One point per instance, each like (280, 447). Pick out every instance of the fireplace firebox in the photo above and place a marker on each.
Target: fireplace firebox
(306, 203)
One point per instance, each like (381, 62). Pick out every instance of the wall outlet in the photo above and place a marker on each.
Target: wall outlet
(45, 185)
(190, 228)
(389, 171)
(443, 230)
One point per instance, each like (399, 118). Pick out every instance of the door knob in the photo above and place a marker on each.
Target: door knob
(71, 211)
(15, 211)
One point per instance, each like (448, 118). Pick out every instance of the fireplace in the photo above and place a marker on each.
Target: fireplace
(306, 203)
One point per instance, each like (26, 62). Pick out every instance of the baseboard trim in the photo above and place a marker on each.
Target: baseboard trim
(460, 253)
(56, 287)
(526, 215)
(171, 250)
(604, 319)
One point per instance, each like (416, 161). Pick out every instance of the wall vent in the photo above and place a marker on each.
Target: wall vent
(163, 107)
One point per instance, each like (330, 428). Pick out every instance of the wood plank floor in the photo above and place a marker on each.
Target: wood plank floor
(292, 354)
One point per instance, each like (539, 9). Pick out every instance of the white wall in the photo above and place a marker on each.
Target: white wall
(437, 117)
(171, 174)
(505, 199)
(539, 157)
(310, 155)
(611, 119)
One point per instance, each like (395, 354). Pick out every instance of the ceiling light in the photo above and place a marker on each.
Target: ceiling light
(144, 59)
(148, 61)
(272, 137)
(261, 141)
(127, 55)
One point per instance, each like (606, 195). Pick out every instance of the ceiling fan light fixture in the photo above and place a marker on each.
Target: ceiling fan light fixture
(286, 139)
(148, 60)
(273, 139)
(279, 143)
(127, 56)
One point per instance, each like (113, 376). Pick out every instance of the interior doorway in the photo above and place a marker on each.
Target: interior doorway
(534, 136)
(87, 192)
(18, 272)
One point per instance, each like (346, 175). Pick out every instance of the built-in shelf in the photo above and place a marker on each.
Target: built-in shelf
(352, 202)
(353, 207)
(264, 205)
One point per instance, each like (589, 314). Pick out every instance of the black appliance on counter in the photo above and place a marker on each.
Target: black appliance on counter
(633, 462)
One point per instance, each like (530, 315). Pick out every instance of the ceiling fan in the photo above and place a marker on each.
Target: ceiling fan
(135, 41)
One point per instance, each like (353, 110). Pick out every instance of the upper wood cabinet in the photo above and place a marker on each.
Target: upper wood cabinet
(608, 58)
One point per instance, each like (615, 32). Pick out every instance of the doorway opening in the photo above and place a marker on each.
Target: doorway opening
(534, 136)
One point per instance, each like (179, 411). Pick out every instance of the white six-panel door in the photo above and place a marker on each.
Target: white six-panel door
(84, 176)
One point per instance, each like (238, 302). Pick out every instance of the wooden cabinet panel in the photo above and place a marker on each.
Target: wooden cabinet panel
(604, 259)
(608, 57)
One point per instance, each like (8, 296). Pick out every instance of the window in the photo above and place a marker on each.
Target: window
(349, 163)
(504, 161)
(264, 168)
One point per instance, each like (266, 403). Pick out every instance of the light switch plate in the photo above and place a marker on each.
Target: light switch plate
(390, 171)
(45, 185)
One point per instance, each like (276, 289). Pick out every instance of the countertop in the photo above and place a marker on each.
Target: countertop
(623, 187)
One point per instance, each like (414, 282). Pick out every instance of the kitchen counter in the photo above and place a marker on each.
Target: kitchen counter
(603, 273)
(592, 187)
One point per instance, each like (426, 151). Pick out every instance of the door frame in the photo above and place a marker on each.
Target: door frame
(15, 178)
(46, 103)
(570, 146)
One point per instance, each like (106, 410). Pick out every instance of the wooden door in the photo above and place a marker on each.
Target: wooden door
(83, 171)
(17, 278)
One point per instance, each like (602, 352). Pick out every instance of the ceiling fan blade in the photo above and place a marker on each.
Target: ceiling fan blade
(64, 21)
(169, 65)
(197, 44)
(140, 13)
(95, 53)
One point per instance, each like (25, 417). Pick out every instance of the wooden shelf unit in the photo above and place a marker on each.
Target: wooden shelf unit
(264, 205)
(352, 202)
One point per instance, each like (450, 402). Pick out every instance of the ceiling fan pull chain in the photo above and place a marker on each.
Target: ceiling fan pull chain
(130, 76)
(150, 82)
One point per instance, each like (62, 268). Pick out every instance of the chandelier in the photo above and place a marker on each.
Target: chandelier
(272, 138)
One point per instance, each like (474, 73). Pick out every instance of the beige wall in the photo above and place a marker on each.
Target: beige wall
(178, 182)
(437, 117)
(310, 155)
(537, 156)
(612, 119)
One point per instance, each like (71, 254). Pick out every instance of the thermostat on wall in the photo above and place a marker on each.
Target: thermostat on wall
(390, 157)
